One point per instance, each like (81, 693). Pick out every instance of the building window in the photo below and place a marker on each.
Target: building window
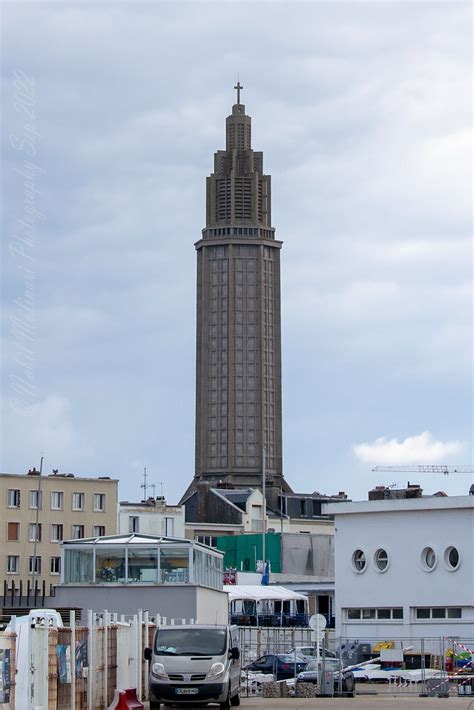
(359, 561)
(99, 502)
(209, 540)
(303, 508)
(451, 558)
(133, 523)
(13, 532)
(98, 531)
(428, 559)
(35, 500)
(57, 500)
(56, 532)
(169, 527)
(437, 613)
(55, 566)
(34, 532)
(374, 614)
(316, 507)
(381, 560)
(78, 501)
(77, 531)
(13, 564)
(13, 498)
(34, 565)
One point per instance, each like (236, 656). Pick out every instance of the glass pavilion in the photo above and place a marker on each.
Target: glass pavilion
(141, 559)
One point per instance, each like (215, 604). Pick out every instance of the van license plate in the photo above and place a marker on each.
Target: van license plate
(187, 691)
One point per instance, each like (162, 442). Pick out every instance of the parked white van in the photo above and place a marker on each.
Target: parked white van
(194, 664)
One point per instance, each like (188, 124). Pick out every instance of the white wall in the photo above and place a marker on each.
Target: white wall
(403, 528)
(152, 519)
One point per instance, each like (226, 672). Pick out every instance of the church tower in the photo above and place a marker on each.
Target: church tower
(238, 348)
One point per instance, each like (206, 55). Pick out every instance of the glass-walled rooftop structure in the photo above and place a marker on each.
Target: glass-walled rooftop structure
(140, 559)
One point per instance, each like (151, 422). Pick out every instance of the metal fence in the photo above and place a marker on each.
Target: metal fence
(411, 666)
(79, 667)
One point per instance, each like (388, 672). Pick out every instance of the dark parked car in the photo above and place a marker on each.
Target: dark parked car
(280, 664)
(310, 675)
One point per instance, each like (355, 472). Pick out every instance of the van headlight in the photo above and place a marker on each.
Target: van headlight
(216, 669)
(158, 670)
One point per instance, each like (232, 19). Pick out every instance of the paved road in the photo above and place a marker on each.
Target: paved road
(362, 702)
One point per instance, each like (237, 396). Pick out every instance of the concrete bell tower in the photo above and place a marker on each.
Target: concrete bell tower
(238, 343)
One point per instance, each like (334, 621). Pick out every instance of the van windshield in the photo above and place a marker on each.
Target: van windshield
(190, 642)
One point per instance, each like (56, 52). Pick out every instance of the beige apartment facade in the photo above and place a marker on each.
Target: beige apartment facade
(38, 512)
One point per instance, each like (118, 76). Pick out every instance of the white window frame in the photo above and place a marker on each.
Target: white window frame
(95, 533)
(77, 537)
(132, 528)
(35, 499)
(16, 565)
(13, 493)
(57, 525)
(99, 508)
(34, 528)
(430, 619)
(169, 521)
(357, 555)
(375, 619)
(38, 564)
(60, 495)
(380, 555)
(424, 555)
(51, 565)
(447, 564)
(81, 499)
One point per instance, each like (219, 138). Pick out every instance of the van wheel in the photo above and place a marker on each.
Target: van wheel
(235, 700)
(227, 702)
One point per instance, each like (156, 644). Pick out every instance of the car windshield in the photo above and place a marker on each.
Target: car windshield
(332, 663)
(290, 659)
(311, 651)
(190, 642)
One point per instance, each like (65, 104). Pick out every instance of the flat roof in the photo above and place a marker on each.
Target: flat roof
(400, 505)
(59, 476)
(139, 539)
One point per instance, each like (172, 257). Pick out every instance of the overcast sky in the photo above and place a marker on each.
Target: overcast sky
(112, 113)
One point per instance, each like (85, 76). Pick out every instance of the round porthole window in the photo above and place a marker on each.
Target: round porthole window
(428, 559)
(451, 558)
(359, 561)
(381, 559)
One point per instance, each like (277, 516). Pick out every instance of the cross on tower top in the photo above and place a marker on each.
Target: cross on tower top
(238, 87)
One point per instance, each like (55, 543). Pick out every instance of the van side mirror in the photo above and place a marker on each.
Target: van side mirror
(147, 654)
(235, 653)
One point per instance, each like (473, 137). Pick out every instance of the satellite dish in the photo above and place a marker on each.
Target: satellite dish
(317, 622)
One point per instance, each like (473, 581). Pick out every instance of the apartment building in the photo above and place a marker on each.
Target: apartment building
(151, 517)
(38, 512)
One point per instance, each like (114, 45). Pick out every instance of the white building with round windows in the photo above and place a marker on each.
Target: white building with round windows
(404, 568)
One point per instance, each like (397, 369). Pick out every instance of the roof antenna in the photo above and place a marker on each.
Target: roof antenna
(144, 485)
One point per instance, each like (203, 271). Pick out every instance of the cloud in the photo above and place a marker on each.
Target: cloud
(418, 449)
(363, 115)
(42, 426)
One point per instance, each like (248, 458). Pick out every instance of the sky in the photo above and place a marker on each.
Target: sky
(111, 115)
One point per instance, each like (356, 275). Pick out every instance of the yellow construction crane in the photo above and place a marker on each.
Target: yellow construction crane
(426, 468)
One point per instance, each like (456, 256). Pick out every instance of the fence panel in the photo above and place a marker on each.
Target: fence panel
(8, 670)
